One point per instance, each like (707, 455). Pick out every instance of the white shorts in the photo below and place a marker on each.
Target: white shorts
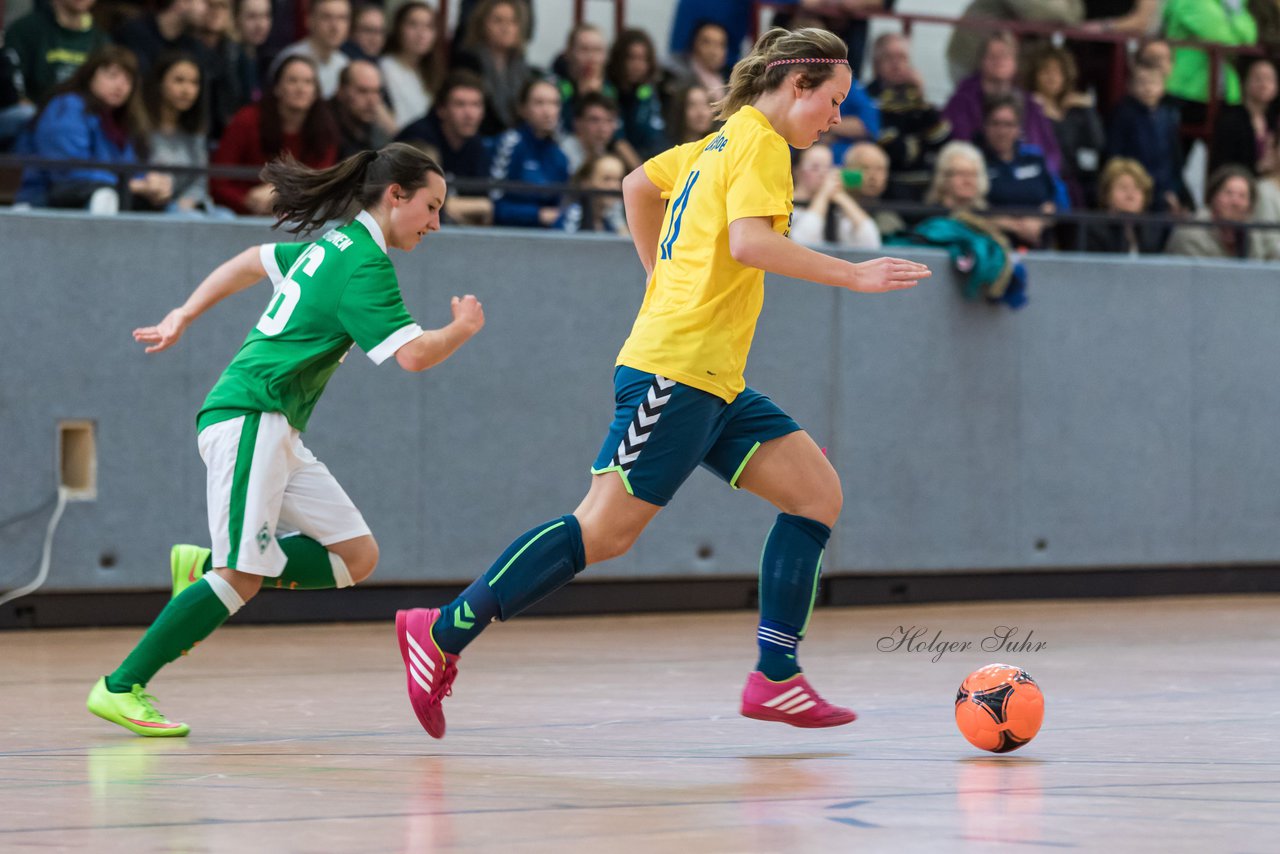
(261, 477)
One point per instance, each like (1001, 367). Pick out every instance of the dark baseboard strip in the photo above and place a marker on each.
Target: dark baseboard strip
(138, 608)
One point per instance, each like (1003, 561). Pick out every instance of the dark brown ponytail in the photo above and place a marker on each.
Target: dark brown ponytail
(308, 198)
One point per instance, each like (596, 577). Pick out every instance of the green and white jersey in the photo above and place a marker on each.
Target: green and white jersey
(328, 294)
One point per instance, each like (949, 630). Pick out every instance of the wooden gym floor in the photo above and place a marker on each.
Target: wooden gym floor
(620, 734)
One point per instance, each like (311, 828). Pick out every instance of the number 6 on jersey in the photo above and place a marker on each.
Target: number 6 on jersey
(286, 297)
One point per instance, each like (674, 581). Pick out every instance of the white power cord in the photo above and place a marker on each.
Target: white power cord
(45, 555)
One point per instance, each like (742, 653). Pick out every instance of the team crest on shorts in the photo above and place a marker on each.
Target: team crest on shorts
(264, 538)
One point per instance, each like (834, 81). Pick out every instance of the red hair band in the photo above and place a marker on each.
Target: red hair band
(821, 60)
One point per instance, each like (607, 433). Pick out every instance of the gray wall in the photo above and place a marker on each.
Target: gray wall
(1125, 418)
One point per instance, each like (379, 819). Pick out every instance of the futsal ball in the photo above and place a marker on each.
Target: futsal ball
(999, 708)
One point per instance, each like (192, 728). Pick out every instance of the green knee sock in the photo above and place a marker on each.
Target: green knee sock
(186, 620)
(311, 567)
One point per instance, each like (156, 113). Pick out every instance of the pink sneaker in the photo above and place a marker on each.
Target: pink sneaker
(431, 670)
(791, 701)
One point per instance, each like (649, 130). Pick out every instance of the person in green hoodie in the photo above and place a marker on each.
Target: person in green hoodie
(1223, 21)
(52, 42)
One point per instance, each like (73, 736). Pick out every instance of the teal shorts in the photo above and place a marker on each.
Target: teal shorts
(663, 430)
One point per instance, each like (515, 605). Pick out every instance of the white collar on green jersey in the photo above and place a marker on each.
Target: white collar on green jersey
(366, 219)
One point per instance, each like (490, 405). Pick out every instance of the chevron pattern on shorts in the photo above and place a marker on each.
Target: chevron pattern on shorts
(642, 424)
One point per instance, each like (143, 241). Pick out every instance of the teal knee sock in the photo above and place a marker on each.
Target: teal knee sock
(789, 570)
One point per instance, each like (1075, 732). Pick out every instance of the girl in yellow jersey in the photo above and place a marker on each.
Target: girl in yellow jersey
(708, 218)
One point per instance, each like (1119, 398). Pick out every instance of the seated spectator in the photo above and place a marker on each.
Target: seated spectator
(328, 22)
(829, 214)
(529, 154)
(1017, 172)
(633, 71)
(996, 76)
(1244, 133)
(368, 33)
(967, 43)
(228, 69)
(452, 129)
(912, 131)
(1145, 127)
(1124, 188)
(91, 117)
(1222, 21)
(1076, 124)
(493, 48)
(1231, 193)
(733, 16)
(1155, 53)
(583, 71)
(291, 119)
(15, 110)
(1096, 60)
(171, 27)
(596, 133)
(690, 116)
(707, 62)
(357, 107)
(871, 165)
(253, 24)
(960, 182)
(598, 213)
(173, 102)
(51, 42)
(413, 65)
(469, 9)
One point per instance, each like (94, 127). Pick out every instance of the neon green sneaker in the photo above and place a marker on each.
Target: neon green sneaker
(134, 711)
(187, 565)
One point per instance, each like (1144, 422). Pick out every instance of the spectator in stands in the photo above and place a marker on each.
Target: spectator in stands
(452, 130)
(529, 154)
(228, 69)
(825, 211)
(597, 213)
(1231, 193)
(368, 36)
(996, 76)
(469, 9)
(494, 49)
(1096, 60)
(595, 134)
(253, 23)
(171, 27)
(1018, 174)
(733, 16)
(413, 66)
(871, 165)
(912, 131)
(173, 102)
(90, 117)
(1145, 128)
(960, 182)
(328, 22)
(51, 42)
(292, 119)
(1244, 133)
(15, 110)
(357, 109)
(1156, 53)
(706, 63)
(1124, 188)
(690, 116)
(1221, 21)
(967, 46)
(632, 69)
(1076, 124)
(582, 71)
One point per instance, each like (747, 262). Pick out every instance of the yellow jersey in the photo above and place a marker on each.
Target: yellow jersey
(700, 308)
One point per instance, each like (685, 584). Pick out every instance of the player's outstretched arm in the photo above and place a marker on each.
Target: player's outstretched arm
(435, 345)
(230, 277)
(752, 241)
(645, 208)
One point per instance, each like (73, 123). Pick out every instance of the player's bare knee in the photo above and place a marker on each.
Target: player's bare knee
(606, 545)
(365, 563)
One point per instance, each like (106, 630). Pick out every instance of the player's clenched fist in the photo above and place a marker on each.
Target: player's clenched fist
(468, 312)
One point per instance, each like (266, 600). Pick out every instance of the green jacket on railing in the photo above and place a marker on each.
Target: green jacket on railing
(1221, 21)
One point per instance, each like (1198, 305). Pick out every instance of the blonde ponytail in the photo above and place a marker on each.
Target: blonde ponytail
(752, 76)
